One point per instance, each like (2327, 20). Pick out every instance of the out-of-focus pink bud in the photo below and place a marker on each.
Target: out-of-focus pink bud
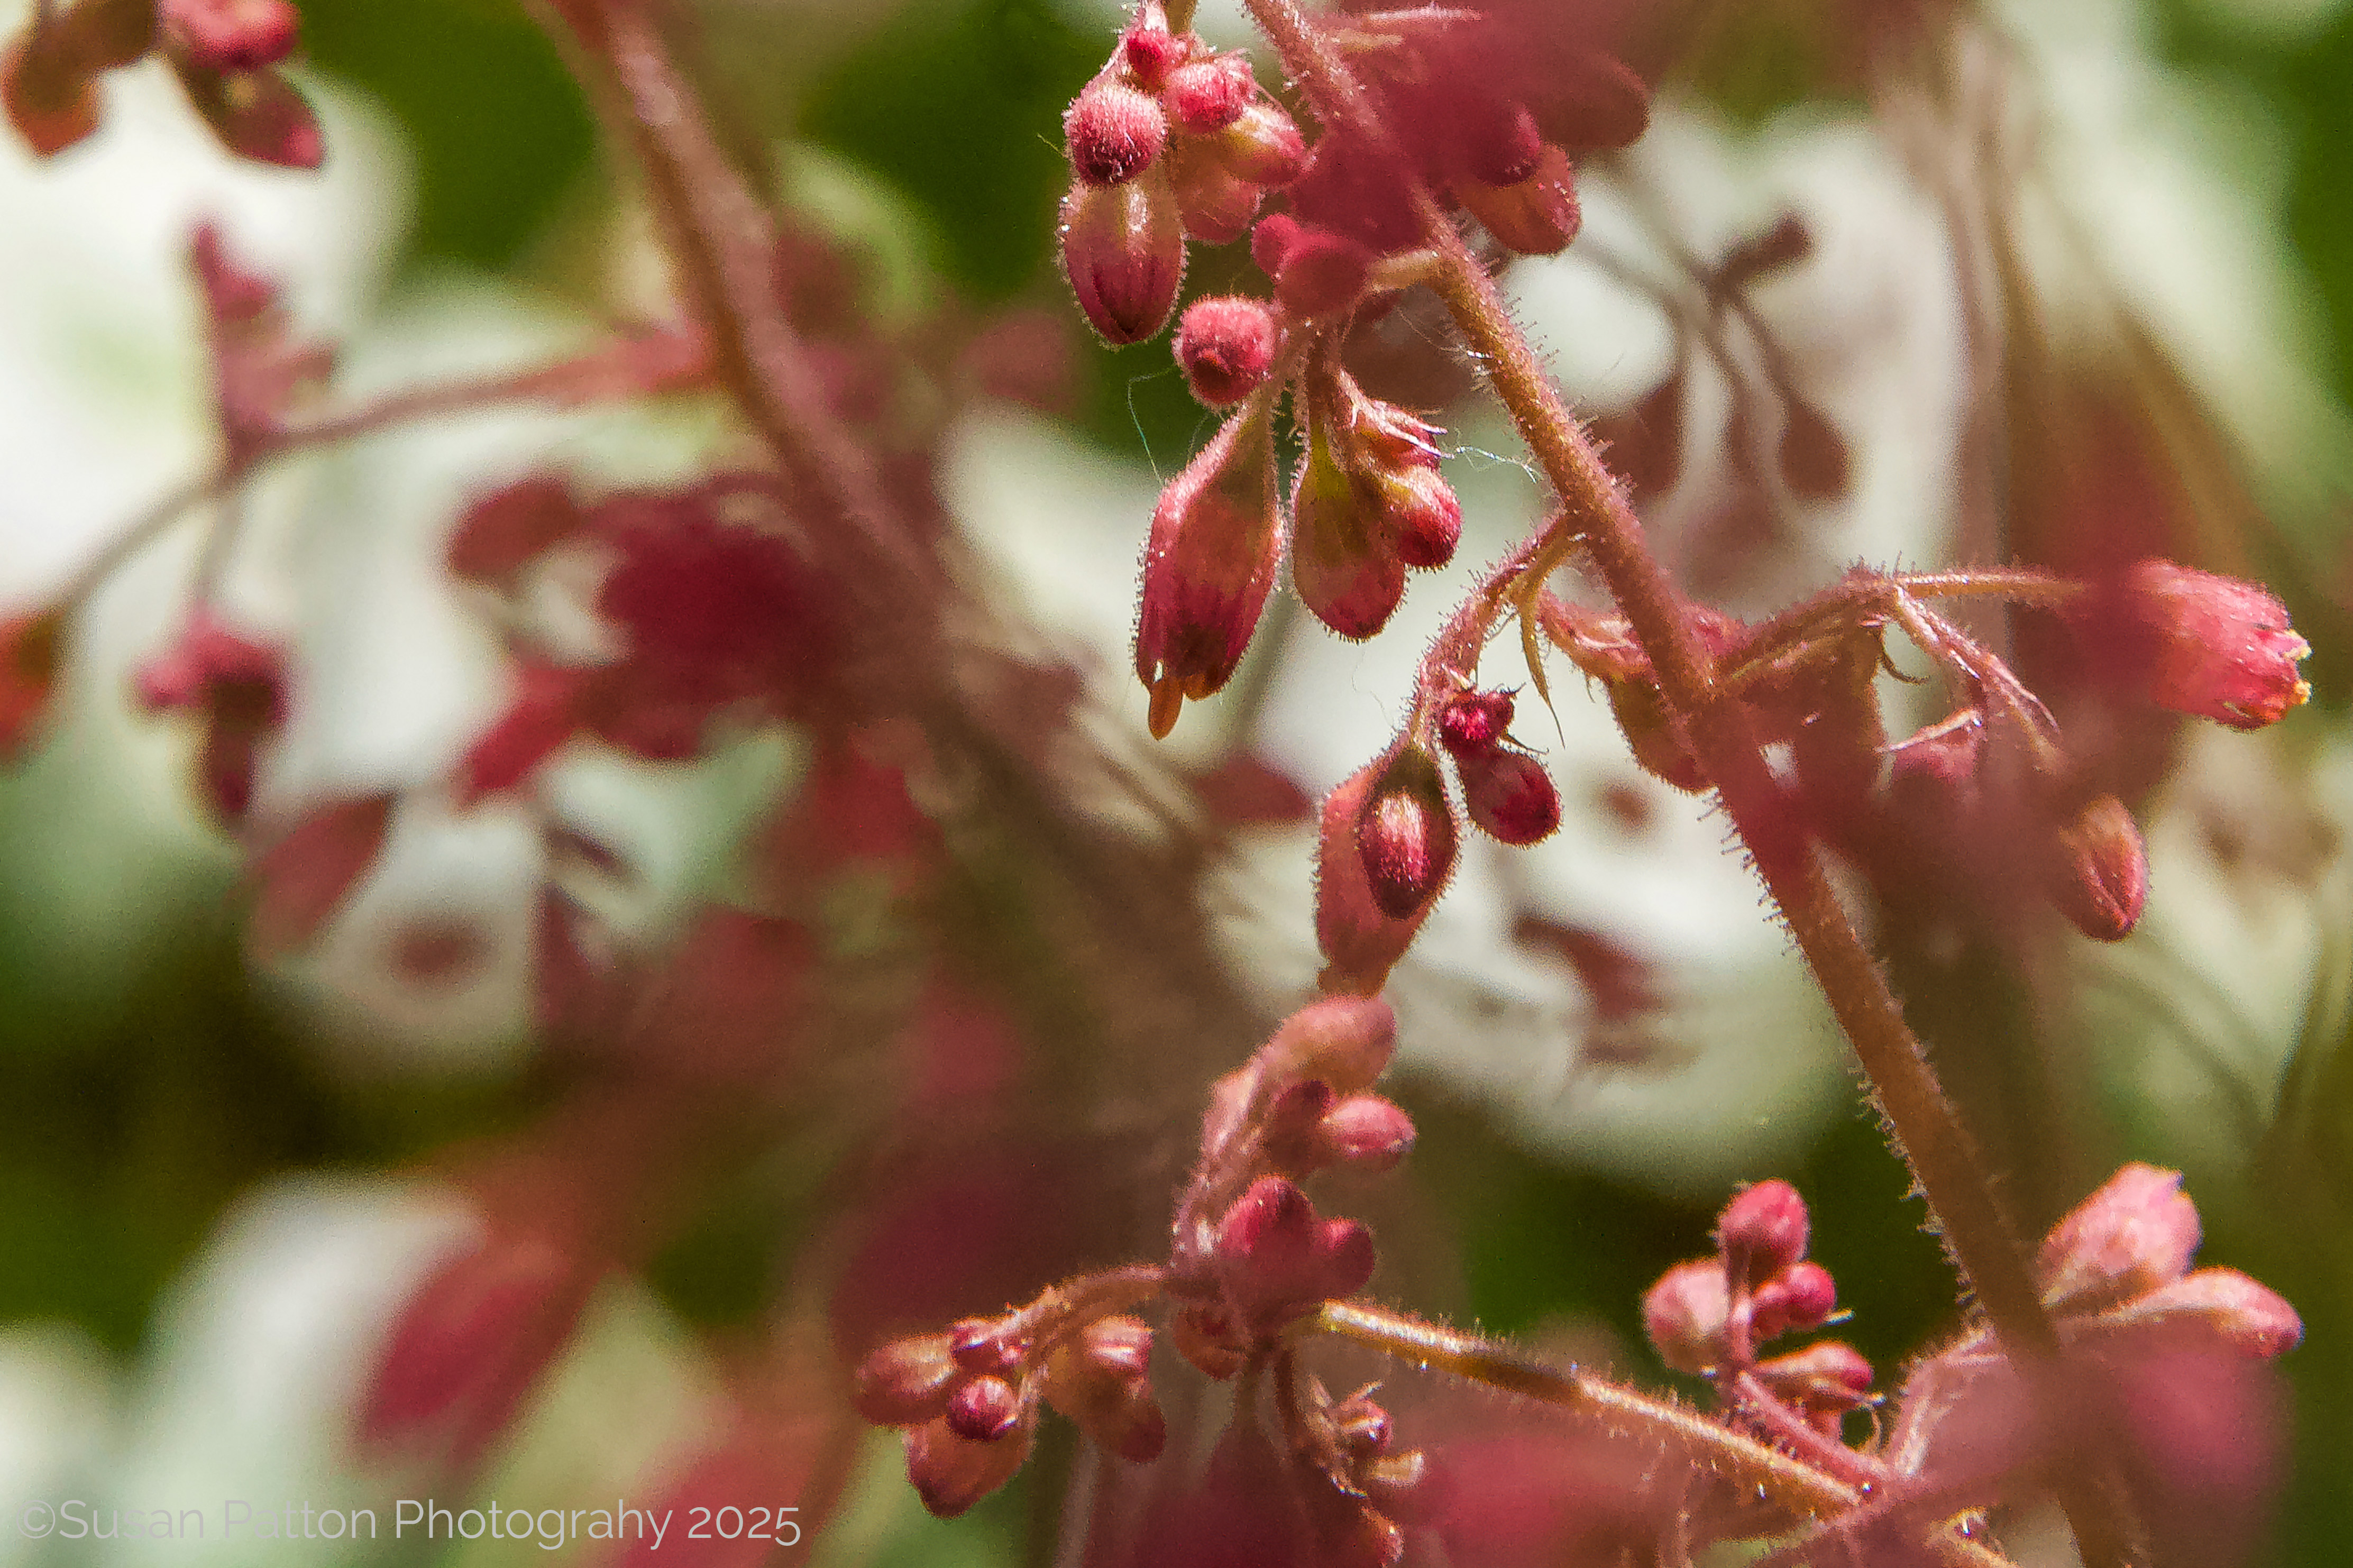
(1824, 1381)
(1812, 456)
(2225, 649)
(31, 650)
(1323, 273)
(1114, 132)
(1270, 241)
(2137, 1233)
(256, 114)
(1213, 204)
(1226, 345)
(501, 533)
(303, 879)
(2100, 876)
(1499, 143)
(1278, 1261)
(2246, 1314)
(1292, 1120)
(952, 1472)
(983, 1345)
(1361, 1426)
(1342, 564)
(1685, 1313)
(1102, 1381)
(1360, 943)
(1537, 216)
(231, 35)
(1802, 1296)
(1124, 252)
(238, 686)
(1345, 1041)
(1508, 795)
(1206, 1337)
(984, 1408)
(1767, 1226)
(905, 1381)
(1474, 721)
(1653, 736)
(1151, 47)
(1262, 145)
(1406, 836)
(1207, 96)
(1366, 1132)
(1208, 565)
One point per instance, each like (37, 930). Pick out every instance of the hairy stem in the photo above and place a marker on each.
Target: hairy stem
(1924, 1127)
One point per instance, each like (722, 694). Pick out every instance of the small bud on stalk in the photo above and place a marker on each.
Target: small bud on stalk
(1341, 563)
(1113, 133)
(1405, 834)
(2100, 880)
(1226, 346)
(1536, 216)
(1509, 796)
(1208, 565)
(2225, 649)
(1123, 252)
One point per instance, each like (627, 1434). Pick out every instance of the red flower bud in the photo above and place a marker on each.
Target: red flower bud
(1272, 239)
(951, 1472)
(1685, 1313)
(1657, 741)
(2224, 648)
(2100, 876)
(1152, 49)
(1341, 565)
(1208, 95)
(1405, 834)
(1366, 1132)
(1113, 132)
(1102, 1381)
(2137, 1233)
(1208, 565)
(1765, 1226)
(303, 879)
(1323, 273)
(1536, 216)
(1278, 1261)
(1423, 516)
(983, 1409)
(508, 529)
(1508, 795)
(231, 35)
(1226, 345)
(1474, 721)
(2250, 1317)
(1124, 252)
(1262, 145)
(1499, 143)
(1823, 1380)
(1345, 1041)
(982, 1345)
(1205, 1336)
(1214, 204)
(906, 1381)
(31, 648)
(256, 114)
(1360, 943)
(1803, 1295)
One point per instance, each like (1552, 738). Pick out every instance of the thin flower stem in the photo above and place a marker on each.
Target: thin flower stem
(1922, 1125)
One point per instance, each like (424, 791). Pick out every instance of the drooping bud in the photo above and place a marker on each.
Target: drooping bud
(1151, 47)
(1359, 943)
(1536, 216)
(906, 1381)
(1341, 563)
(2137, 1233)
(1208, 565)
(1323, 273)
(1102, 1381)
(1405, 834)
(1272, 238)
(2225, 649)
(1366, 1132)
(1802, 1296)
(1293, 1120)
(984, 1409)
(1207, 96)
(1226, 346)
(303, 879)
(256, 114)
(1124, 252)
(1424, 516)
(1345, 1041)
(1474, 721)
(1508, 795)
(1499, 143)
(1684, 1315)
(1262, 145)
(1278, 1261)
(983, 1345)
(2245, 1314)
(951, 1472)
(1114, 132)
(1767, 1227)
(2099, 877)
(1214, 204)
(1824, 1381)
(1656, 739)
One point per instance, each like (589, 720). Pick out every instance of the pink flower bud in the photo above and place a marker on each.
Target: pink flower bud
(231, 35)
(2224, 648)
(1293, 1119)
(1323, 273)
(1341, 565)
(1423, 516)
(1113, 132)
(256, 114)
(1278, 1261)
(1360, 943)
(2248, 1316)
(1345, 1041)
(1123, 252)
(1406, 836)
(1208, 565)
(1102, 1381)
(951, 1472)
(1824, 1382)
(1262, 145)
(982, 1345)
(1226, 345)
(2137, 1233)
(1537, 216)
(983, 1409)
(544, 712)
(1270, 241)
(1366, 1132)
(2099, 877)
(1474, 721)
(1801, 1297)
(303, 879)
(1151, 48)
(1214, 204)
(1685, 1313)
(1205, 1336)
(1508, 795)
(1207, 96)
(1499, 143)
(905, 1381)
(1765, 1226)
